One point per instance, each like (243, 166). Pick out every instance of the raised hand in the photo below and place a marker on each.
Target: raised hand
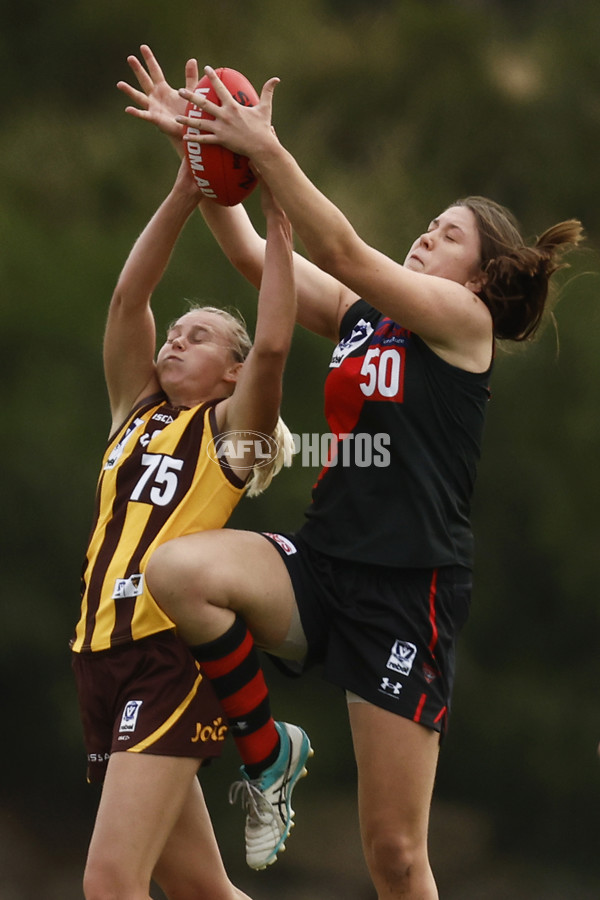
(243, 129)
(156, 101)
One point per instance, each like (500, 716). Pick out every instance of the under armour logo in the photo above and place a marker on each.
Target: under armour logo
(389, 687)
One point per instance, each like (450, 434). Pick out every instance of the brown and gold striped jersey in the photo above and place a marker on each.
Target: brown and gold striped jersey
(159, 480)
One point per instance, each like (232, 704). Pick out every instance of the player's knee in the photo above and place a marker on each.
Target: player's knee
(171, 576)
(103, 881)
(395, 859)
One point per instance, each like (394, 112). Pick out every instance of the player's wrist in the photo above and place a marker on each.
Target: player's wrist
(268, 154)
(185, 194)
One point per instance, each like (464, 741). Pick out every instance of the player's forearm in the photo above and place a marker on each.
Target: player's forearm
(277, 297)
(325, 232)
(237, 238)
(150, 255)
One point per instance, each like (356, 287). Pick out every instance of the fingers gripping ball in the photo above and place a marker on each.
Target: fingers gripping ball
(223, 176)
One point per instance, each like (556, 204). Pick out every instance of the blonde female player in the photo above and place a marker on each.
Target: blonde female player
(380, 573)
(150, 716)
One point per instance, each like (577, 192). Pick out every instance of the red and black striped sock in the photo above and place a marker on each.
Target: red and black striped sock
(232, 664)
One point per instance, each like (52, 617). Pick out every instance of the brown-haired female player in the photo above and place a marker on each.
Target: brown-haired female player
(376, 584)
(150, 716)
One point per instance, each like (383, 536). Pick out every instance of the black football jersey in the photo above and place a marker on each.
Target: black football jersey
(406, 431)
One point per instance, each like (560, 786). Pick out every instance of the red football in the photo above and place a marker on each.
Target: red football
(223, 176)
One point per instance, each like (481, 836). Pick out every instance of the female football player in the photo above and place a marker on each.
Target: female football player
(150, 716)
(376, 584)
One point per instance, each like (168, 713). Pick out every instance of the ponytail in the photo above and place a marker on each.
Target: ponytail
(517, 275)
(263, 475)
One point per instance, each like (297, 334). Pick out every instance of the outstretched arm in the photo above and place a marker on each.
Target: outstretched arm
(322, 300)
(443, 312)
(155, 100)
(254, 405)
(130, 336)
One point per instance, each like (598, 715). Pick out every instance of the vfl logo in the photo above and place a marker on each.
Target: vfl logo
(402, 657)
(117, 453)
(361, 332)
(391, 688)
(130, 715)
(128, 587)
(215, 732)
(288, 548)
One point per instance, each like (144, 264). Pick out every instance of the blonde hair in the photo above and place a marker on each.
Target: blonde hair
(261, 476)
(241, 342)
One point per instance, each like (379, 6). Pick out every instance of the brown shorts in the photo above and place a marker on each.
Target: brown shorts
(146, 697)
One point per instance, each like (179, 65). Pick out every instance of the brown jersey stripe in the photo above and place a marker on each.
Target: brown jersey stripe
(158, 482)
(226, 469)
(114, 530)
(188, 449)
(139, 409)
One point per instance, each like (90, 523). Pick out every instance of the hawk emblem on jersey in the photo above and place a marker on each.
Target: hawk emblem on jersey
(361, 332)
(128, 587)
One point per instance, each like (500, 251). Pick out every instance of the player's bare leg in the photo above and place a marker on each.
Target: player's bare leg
(226, 590)
(185, 864)
(396, 761)
(144, 800)
(203, 580)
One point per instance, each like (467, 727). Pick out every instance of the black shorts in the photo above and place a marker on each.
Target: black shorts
(385, 634)
(148, 696)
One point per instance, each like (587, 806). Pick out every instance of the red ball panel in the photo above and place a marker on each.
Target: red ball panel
(223, 176)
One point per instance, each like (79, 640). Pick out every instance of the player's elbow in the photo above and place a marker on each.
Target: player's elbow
(248, 257)
(248, 265)
(336, 255)
(272, 357)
